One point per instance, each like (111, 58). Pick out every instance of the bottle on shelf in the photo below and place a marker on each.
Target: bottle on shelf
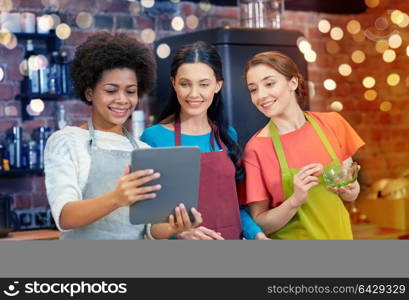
(14, 142)
(33, 73)
(54, 74)
(64, 72)
(61, 117)
(138, 123)
(41, 134)
(32, 155)
(44, 71)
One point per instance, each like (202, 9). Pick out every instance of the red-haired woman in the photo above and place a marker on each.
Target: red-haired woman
(284, 160)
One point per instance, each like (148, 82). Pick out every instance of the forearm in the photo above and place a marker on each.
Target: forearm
(84, 212)
(162, 231)
(276, 218)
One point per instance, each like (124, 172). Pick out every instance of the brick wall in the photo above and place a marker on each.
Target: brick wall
(385, 133)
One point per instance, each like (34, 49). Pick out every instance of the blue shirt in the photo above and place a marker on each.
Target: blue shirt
(160, 136)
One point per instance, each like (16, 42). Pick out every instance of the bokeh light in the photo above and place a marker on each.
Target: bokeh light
(1, 73)
(37, 105)
(23, 67)
(148, 3)
(385, 106)
(324, 26)
(370, 95)
(389, 55)
(84, 20)
(163, 51)
(332, 47)
(381, 46)
(345, 69)
(45, 23)
(205, 5)
(177, 23)
(63, 31)
(330, 84)
(369, 82)
(336, 33)
(393, 79)
(395, 41)
(358, 56)
(359, 37)
(148, 36)
(353, 27)
(6, 5)
(372, 3)
(56, 20)
(192, 21)
(336, 106)
(310, 56)
(405, 21)
(303, 45)
(397, 17)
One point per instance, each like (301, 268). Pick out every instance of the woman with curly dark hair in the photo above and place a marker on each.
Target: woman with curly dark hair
(194, 116)
(88, 180)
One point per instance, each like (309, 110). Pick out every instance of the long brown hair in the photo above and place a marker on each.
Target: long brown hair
(283, 65)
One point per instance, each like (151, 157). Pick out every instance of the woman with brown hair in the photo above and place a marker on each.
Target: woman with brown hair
(285, 159)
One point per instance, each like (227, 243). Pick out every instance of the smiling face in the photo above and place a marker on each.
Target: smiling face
(113, 99)
(195, 85)
(271, 92)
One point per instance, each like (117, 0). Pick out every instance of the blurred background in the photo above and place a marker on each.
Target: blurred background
(354, 54)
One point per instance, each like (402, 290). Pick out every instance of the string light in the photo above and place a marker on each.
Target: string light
(393, 79)
(345, 69)
(353, 27)
(337, 33)
(358, 56)
(381, 46)
(385, 106)
(370, 95)
(330, 84)
(177, 23)
(389, 55)
(372, 3)
(368, 82)
(324, 26)
(163, 51)
(336, 106)
(63, 31)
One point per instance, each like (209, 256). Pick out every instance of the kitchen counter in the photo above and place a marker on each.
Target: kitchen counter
(375, 232)
(39, 234)
(360, 232)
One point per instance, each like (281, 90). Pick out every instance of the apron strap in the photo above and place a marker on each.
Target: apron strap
(322, 136)
(286, 176)
(214, 134)
(93, 142)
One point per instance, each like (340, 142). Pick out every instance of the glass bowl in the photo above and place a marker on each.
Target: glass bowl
(341, 176)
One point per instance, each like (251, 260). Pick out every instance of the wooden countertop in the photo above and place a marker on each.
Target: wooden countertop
(39, 234)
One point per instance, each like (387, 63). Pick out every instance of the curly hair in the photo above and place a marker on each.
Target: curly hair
(105, 51)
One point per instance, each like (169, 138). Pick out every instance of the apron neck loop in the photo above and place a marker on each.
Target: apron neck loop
(93, 143)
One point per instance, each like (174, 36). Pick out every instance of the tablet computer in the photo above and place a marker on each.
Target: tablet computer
(179, 169)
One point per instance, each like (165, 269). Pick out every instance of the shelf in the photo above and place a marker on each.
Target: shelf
(21, 172)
